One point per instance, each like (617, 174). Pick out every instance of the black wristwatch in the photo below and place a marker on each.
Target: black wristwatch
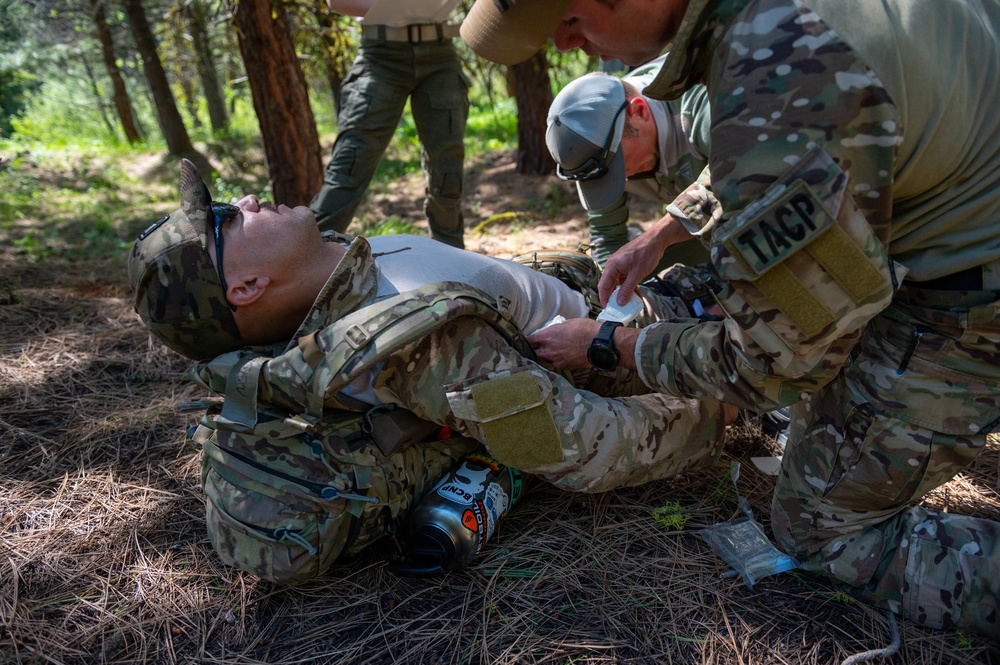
(602, 353)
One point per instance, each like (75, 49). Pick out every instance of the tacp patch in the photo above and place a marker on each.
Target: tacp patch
(791, 218)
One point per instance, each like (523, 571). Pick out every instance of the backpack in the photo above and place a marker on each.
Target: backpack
(288, 493)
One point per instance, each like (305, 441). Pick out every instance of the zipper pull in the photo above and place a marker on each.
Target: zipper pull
(918, 332)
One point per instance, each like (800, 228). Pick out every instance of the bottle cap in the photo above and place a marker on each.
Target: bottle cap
(428, 552)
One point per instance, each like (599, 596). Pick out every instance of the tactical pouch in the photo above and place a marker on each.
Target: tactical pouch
(288, 497)
(803, 265)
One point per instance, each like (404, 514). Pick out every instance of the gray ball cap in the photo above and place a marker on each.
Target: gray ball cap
(585, 125)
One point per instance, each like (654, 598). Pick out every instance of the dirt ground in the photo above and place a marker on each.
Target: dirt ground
(505, 213)
(104, 556)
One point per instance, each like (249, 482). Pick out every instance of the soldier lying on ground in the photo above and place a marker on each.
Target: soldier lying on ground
(213, 278)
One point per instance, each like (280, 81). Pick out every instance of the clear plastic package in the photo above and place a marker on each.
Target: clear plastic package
(743, 544)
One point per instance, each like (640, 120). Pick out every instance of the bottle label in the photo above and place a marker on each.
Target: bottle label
(466, 484)
(473, 485)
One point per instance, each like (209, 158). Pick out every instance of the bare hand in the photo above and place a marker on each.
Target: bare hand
(639, 258)
(565, 345)
(629, 266)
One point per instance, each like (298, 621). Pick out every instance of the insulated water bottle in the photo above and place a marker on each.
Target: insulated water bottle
(454, 520)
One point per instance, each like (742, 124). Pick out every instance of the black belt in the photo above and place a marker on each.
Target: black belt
(970, 279)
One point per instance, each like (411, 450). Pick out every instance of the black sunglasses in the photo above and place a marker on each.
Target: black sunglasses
(222, 212)
(594, 167)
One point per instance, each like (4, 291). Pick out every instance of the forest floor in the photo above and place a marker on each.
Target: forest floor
(103, 551)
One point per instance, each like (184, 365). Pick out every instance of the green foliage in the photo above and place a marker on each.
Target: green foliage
(387, 227)
(62, 116)
(491, 126)
(231, 192)
(15, 89)
(672, 516)
(72, 207)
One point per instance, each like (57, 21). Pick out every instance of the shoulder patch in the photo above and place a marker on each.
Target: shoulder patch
(780, 224)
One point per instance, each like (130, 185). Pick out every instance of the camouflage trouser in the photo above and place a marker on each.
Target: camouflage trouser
(372, 99)
(908, 413)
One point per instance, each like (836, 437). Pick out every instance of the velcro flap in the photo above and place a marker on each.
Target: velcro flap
(514, 417)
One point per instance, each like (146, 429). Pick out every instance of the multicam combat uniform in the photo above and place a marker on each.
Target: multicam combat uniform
(415, 59)
(682, 141)
(854, 136)
(468, 377)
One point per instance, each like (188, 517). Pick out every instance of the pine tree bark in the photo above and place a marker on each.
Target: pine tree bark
(533, 93)
(123, 105)
(171, 125)
(207, 71)
(281, 100)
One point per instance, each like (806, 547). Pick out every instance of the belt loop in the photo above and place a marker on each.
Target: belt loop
(409, 33)
(380, 29)
(440, 31)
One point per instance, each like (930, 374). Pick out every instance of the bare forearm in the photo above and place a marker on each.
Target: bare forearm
(625, 340)
(668, 230)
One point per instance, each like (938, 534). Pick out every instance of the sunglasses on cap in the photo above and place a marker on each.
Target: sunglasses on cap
(221, 213)
(594, 167)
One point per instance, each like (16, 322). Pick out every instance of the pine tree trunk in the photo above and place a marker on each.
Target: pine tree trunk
(533, 93)
(122, 102)
(171, 125)
(206, 67)
(101, 103)
(281, 99)
(335, 70)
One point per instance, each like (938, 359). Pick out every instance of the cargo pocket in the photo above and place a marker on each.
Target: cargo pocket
(454, 104)
(912, 385)
(941, 580)
(510, 411)
(356, 94)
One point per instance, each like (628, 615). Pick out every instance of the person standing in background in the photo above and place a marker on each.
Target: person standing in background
(406, 53)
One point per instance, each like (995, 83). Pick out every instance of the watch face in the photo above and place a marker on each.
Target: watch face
(602, 353)
(602, 358)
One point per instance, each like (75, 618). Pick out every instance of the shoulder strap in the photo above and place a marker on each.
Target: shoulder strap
(323, 363)
(372, 333)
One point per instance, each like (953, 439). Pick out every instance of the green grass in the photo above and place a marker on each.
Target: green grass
(70, 193)
(67, 205)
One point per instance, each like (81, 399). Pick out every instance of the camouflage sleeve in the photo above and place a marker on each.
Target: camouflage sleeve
(761, 133)
(467, 377)
(696, 207)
